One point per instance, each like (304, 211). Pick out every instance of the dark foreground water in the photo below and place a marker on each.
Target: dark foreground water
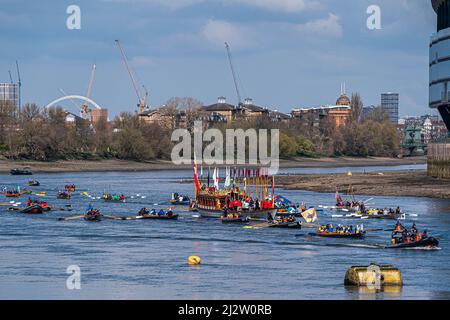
(147, 259)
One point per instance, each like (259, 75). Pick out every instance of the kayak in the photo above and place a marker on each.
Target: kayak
(34, 209)
(236, 220)
(359, 235)
(286, 225)
(429, 242)
(158, 217)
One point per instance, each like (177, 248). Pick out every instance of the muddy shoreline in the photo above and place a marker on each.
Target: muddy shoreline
(410, 184)
(132, 166)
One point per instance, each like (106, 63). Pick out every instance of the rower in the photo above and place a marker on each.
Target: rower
(398, 228)
(143, 212)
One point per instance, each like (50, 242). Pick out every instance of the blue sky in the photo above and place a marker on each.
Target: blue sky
(288, 53)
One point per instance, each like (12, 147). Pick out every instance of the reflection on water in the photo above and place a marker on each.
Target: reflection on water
(147, 259)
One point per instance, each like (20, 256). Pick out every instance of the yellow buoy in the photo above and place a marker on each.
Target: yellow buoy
(373, 275)
(194, 260)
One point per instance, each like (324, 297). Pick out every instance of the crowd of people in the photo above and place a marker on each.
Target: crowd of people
(341, 229)
(403, 235)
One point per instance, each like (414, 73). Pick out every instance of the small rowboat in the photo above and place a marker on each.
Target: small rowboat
(34, 183)
(339, 235)
(286, 225)
(180, 203)
(93, 217)
(391, 216)
(158, 217)
(426, 243)
(21, 172)
(34, 209)
(70, 188)
(235, 220)
(12, 195)
(63, 195)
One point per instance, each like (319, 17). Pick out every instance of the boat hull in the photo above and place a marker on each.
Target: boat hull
(35, 209)
(333, 235)
(156, 217)
(93, 218)
(260, 214)
(429, 242)
(235, 220)
(289, 225)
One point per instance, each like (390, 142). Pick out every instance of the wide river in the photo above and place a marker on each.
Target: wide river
(148, 259)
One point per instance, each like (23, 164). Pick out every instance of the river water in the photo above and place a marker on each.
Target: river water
(148, 259)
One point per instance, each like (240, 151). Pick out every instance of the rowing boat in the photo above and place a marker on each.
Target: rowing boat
(355, 235)
(286, 225)
(157, 217)
(428, 242)
(34, 209)
(12, 195)
(63, 195)
(34, 183)
(235, 220)
(180, 203)
(93, 217)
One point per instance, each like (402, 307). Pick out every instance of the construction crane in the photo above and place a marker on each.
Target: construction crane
(85, 108)
(233, 73)
(10, 77)
(19, 83)
(142, 105)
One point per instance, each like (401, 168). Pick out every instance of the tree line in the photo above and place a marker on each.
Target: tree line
(44, 134)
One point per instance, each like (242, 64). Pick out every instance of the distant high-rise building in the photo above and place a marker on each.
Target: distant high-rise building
(9, 92)
(439, 61)
(389, 104)
(99, 116)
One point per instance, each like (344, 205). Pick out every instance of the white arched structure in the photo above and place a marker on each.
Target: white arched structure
(72, 97)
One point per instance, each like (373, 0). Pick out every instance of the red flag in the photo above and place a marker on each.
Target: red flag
(196, 182)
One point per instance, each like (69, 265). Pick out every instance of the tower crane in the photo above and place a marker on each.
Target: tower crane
(85, 108)
(10, 77)
(142, 105)
(233, 73)
(19, 83)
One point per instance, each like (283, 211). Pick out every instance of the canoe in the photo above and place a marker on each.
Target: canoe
(34, 209)
(236, 220)
(286, 225)
(338, 235)
(158, 217)
(429, 242)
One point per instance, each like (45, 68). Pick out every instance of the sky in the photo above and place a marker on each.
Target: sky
(287, 53)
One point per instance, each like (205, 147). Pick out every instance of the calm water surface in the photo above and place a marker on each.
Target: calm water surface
(147, 259)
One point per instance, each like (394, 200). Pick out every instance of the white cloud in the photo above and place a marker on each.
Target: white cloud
(273, 5)
(329, 27)
(216, 32)
(279, 5)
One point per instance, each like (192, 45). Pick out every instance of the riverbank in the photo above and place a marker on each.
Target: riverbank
(411, 183)
(125, 166)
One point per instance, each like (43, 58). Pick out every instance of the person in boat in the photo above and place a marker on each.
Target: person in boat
(225, 211)
(170, 213)
(153, 212)
(143, 212)
(414, 229)
(122, 197)
(161, 213)
(398, 211)
(398, 227)
(424, 234)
